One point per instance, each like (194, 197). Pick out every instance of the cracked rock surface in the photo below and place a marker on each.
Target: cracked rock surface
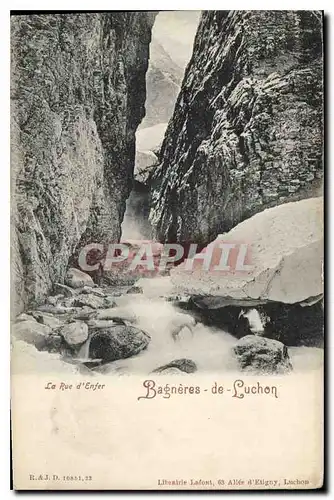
(78, 94)
(246, 133)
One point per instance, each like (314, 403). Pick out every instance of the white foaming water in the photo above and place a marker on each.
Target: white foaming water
(255, 321)
(306, 359)
(174, 335)
(135, 224)
(209, 348)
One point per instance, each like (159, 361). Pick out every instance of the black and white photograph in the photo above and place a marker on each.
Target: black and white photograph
(167, 197)
(163, 131)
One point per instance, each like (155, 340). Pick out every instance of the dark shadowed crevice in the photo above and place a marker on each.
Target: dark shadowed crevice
(170, 51)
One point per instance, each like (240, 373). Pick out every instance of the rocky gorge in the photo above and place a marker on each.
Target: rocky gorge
(84, 328)
(78, 95)
(246, 132)
(241, 160)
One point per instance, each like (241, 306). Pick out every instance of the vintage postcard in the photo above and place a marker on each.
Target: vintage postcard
(167, 250)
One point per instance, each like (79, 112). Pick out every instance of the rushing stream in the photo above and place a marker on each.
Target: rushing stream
(209, 347)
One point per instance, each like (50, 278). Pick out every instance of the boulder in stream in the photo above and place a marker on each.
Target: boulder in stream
(46, 319)
(104, 323)
(260, 355)
(181, 365)
(90, 300)
(135, 289)
(117, 342)
(116, 313)
(53, 343)
(74, 333)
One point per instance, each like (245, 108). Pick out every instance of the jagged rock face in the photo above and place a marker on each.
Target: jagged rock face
(78, 95)
(246, 133)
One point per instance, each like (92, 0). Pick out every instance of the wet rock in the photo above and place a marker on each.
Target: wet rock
(172, 371)
(295, 324)
(63, 290)
(180, 300)
(53, 343)
(117, 312)
(93, 363)
(84, 314)
(135, 289)
(90, 300)
(74, 333)
(119, 277)
(117, 342)
(104, 323)
(78, 279)
(47, 319)
(95, 291)
(183, 365)
(115, 291)
(109, 302)
(69, 302)
(24, 317)
(53, 300)
(291, 324)
(57, 309)
(32, 332)
(256, 354)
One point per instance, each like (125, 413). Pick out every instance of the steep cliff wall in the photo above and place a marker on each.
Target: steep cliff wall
(78, 95)
(247, 127)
